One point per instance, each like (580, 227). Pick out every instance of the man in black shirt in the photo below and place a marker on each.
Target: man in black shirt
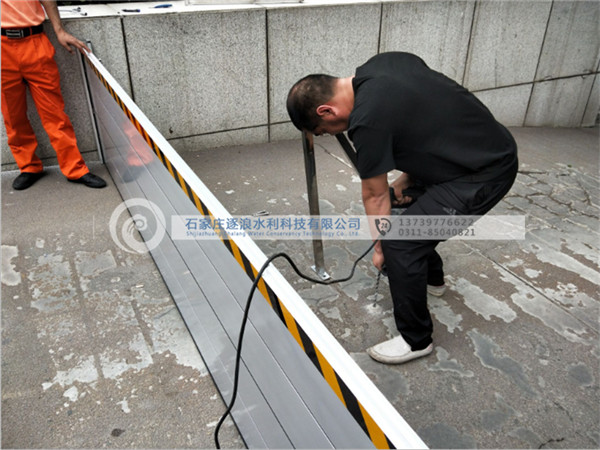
(402, 115)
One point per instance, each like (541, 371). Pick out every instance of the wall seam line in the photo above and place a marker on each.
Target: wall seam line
(127, 59)
(468, 54)
(268, 84)
(380, 27)
(537, 67)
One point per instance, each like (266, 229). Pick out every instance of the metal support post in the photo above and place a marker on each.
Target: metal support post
(313, 200)
(90, 103)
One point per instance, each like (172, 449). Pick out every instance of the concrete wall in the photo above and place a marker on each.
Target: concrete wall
(210, 75)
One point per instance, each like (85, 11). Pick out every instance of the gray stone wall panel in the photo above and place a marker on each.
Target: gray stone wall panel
(505, 43)
(199, 73)
(591, 116)
(571, 46)
(561, 101)
(437, 31)
(508, 105)
(332, 40)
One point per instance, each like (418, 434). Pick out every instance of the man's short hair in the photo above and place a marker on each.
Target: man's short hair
(304, 98)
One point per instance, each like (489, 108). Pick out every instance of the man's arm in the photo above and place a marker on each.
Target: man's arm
(65, 39)
(376, 200)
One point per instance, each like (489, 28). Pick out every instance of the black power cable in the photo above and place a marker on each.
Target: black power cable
(247, 311)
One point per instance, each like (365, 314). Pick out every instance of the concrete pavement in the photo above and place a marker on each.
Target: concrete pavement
(94, 353)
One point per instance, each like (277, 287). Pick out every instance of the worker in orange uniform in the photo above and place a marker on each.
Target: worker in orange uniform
(28, 60)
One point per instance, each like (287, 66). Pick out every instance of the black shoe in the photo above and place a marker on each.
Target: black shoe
(90, 180)
(26, 179)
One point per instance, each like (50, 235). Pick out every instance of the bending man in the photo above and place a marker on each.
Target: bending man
(402, 115)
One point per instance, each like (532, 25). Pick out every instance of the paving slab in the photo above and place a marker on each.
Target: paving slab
(94, 352)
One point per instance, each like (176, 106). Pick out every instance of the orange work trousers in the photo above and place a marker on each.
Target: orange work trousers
(30, 62)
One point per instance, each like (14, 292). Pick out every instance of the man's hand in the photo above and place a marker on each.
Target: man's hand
(66, 40)
(401, 183)
(378, 258)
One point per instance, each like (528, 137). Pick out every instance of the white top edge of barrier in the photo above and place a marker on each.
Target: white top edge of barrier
(181, 6)
(397, 430)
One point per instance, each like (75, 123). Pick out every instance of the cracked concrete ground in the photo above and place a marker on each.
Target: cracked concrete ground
(94, 353)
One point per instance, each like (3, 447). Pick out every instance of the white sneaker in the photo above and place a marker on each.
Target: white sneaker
(396, 351)
(438, 291)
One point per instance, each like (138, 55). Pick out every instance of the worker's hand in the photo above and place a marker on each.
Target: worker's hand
(66, 40)
(401, 183)
(378, 258)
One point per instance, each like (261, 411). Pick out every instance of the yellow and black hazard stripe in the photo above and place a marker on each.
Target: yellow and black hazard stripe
(362, 417)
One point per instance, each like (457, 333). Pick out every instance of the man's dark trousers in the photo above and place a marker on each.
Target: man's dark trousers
(413, 264)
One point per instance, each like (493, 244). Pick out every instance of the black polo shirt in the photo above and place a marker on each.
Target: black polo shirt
(411, 118)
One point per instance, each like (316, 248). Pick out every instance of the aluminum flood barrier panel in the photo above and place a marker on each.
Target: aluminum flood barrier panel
(298, 387)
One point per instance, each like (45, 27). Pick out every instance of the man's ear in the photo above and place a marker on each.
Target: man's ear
(324, 110)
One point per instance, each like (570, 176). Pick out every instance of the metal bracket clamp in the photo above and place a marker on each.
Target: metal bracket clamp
(313, 191)
(313, 200)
